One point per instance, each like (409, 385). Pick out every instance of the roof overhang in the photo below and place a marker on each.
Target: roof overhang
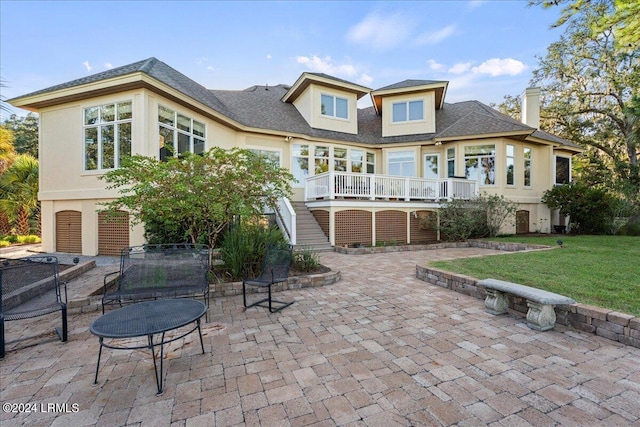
(519, 135)
(306, 79)
(440, 89)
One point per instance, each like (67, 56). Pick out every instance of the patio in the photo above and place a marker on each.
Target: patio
(378, 348)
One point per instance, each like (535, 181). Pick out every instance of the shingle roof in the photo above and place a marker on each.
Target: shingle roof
(410, 83)
(261, 107)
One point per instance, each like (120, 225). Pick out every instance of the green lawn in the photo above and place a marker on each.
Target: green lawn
(598, 270)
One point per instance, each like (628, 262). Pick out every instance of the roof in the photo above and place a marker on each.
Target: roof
(263, 107)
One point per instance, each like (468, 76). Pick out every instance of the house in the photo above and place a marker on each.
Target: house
(365, 175)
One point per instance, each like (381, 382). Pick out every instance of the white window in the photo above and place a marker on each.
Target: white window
(563, 170)
(432, 166)
(527, 167)
(371, 163)
(407, 111)
(511, 152)
(451, 162)
(300, 162)
(107, 135)
(271, 156)
(480, 163)
(179, 134)
(321, 159)
(401, 163)
(334, 106)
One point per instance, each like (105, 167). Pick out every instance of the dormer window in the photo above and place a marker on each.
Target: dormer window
(408, 111)
(334, 106)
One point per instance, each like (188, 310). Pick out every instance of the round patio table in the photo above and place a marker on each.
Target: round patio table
(148, 318)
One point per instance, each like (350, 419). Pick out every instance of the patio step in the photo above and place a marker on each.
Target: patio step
(308, 231)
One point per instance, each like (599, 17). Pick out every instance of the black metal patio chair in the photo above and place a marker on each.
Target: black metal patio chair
(275, 269)
(30, 287)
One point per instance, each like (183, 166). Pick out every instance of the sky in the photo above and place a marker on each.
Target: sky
(485, 49)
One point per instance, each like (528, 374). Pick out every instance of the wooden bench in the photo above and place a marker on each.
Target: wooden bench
(156, 271)
(541, 315)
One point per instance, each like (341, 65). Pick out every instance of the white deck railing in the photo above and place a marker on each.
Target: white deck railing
(286, 219)
(330, 185)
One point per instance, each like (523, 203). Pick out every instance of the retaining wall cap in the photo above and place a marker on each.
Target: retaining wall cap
(537, 295)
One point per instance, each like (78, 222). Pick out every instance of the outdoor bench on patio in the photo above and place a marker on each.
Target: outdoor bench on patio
(541, 315)
(157, 271)
(30, 287)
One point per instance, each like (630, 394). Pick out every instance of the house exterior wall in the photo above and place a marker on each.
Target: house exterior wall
(309, 102)
(428, 125)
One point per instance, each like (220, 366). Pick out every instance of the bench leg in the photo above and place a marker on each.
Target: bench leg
(540, 317)
(496, 302)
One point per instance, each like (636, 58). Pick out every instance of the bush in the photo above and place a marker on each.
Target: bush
(480, 217)
(244, 244)
(29, 239)
(305, 260)
(591, 209)
(4, 244)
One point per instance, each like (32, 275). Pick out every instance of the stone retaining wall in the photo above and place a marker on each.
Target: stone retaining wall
(484, 244)
(603, 322)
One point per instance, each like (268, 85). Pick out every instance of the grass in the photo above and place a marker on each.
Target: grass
(597, 270)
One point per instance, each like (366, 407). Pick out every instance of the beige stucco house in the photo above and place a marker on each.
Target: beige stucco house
(365, 175)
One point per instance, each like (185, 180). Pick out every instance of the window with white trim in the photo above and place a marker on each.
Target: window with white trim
(408, 111)
(300, 162)
(401, 163)
(107, 135)
(511, 164)
(334, 106)
(451, 162)
(480, 163)
(271, 156)
(179, 134)
(527, 167)
(563, 170)
(432, 166)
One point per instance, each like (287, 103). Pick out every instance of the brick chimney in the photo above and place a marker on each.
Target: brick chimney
(530, 99)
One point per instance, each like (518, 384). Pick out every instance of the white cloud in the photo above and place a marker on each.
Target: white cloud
(108, 65)
(268, 56)
(498, 67)
(381, 32)
(435, 65)
(365, 79)
(473, 4)
(326, 65)
(461, 67)
(86, 65)
(436, 36)
(210, 68)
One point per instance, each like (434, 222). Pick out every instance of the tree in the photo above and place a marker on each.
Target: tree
(622, 17)
(197, 197)
(7, 150)
(25, 133)
(19, 192)
(591, 95)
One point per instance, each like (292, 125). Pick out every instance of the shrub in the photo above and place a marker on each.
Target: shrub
(29, 239)
(480, 217)
(305, 260)
(591, 209)
(4, 244)
(244, 244)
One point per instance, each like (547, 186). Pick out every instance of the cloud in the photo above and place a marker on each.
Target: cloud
(499, 67)
(381, 32)
(365, 79)
(268, 56)
(461, 67)
(326, 65)
(435, 65)
(473, 4)
(86, 65)
(435, 37)
(108, 65)
(210, 68)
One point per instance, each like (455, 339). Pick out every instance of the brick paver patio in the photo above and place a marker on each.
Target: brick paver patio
(379, 348)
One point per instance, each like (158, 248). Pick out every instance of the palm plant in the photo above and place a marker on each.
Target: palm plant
(19, 191)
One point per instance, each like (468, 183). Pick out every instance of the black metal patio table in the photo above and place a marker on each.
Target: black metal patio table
(148, 319)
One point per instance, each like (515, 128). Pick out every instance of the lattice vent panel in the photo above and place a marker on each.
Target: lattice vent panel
(113, 233)
(391, 227)
(423, 227)
(353, 226)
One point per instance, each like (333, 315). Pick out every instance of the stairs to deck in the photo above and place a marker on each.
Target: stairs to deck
(308, 231)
